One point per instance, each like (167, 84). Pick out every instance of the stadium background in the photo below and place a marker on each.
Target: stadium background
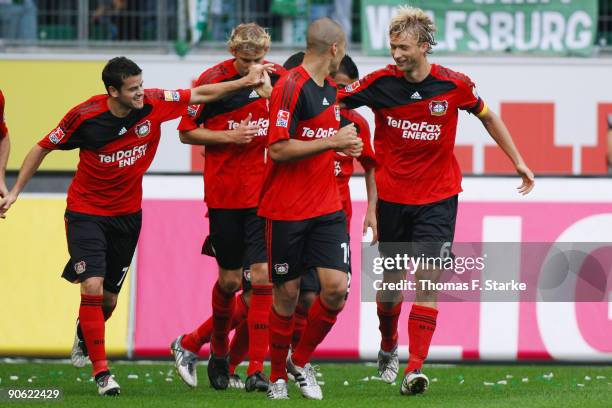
(556, 107)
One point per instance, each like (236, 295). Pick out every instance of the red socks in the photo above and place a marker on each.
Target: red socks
(388, 320)
(320, 321)
(239, 346)
(223, 305)
(200, 336)
(281, 329)
(197, 338)
(301, 316)
(91, 320)
(421, 327)
(259, 317)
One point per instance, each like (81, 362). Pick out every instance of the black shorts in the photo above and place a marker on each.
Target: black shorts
(101, 246)
(429, 228)
(296, 246)
(236, 234)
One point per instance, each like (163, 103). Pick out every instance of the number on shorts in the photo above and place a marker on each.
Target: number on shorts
(347, 252)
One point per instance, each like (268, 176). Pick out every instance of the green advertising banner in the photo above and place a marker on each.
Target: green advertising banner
(548, 27)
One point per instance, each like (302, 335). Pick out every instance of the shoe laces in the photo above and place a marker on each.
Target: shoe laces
(310, 372)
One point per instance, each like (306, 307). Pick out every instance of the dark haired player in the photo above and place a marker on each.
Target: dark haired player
(117, 134)
(305, 224)
(416, 106)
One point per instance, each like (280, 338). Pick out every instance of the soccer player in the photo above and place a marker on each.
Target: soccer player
(233, 130)
(5, 148)
(343, 169)
(305, 224)
(416, 106)
(117, 134)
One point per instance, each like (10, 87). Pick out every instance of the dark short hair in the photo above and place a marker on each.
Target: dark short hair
(117, 70)
(348, 67)
(294, 60)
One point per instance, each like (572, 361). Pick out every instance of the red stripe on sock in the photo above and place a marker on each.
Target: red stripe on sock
(320, 321)
(91, 320)
(223, 305)
(421, 327)
(281, 328)
(239, 346)
(258, 323)
(301, 316)
(388, 320)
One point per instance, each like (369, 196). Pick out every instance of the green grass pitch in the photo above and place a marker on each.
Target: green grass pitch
(344, 385)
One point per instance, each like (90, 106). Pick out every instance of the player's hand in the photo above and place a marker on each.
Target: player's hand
(355, 150)
(370, 222)
(345, 138)
(255, 76)
(3, 190)
(528, 178)
(5, 203)
(265, 89)
(245, 132)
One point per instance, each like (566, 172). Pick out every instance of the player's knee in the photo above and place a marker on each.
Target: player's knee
(230, 282)
(108, 304)
(334, 294)
(306, 299)
(259, 274)
(92, 286)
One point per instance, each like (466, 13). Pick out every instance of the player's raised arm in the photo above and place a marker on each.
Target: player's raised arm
(499, 132)
(31, 163)
(212, 92)
(243, 134)
(5, 148)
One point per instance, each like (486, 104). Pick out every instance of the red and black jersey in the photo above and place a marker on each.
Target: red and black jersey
(233, 173)
(306, 188)
(114, 152)
(343, 164)
(3, 128)
(416, 125)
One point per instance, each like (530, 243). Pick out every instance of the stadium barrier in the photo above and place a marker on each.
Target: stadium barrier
(559, 124)
(169, 285)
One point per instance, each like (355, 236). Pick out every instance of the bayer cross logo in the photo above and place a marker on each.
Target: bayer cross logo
(143, 128)
(281, 269)
(80, 267)
(438, 108)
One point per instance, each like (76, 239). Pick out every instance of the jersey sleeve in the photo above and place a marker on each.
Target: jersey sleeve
(469, 100)
(189, 119)
(359, 93)
(284, 106)
(3, 127)
(169, 104)
(279, 71)
(367, 158)
(66, 135)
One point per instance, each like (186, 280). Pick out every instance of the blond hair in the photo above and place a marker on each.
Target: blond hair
(249, 37)
(413, 21)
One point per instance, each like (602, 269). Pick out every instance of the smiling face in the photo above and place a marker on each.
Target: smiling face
(247, 58)
(131, 94)
(406, 51)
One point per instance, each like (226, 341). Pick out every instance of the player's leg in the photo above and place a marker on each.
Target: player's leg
(87, 245)
(309, 289)
(327, 248)
(285, 243)
(226, 233)
(392, 230)
(433, 231)
(239, 345)
(260, 302)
